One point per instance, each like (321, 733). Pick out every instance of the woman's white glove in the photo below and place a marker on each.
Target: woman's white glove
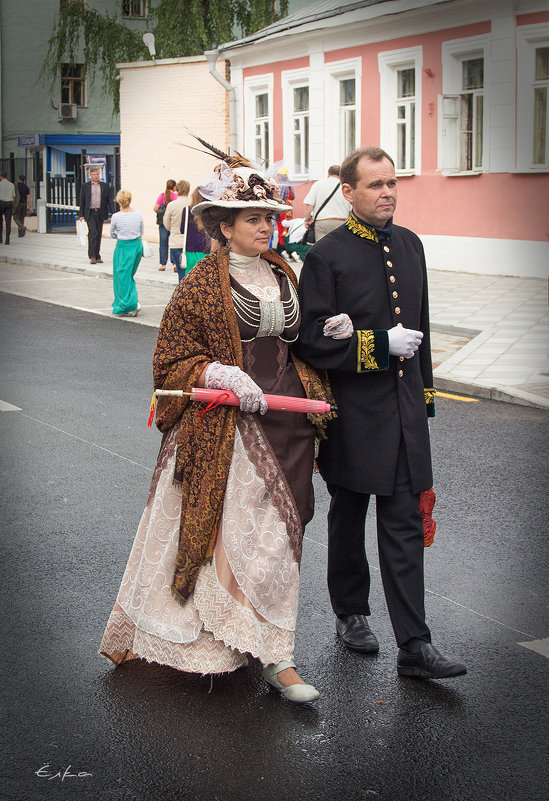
(226, 376)
(338, 327)
(404, 341)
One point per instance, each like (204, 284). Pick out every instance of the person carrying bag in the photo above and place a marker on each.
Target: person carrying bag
(309, 237)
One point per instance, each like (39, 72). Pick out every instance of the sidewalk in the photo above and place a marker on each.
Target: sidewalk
(489, 333)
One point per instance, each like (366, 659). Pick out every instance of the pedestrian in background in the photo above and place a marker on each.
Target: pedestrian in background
(7, 198)
(197, 242)
(172, 221)
(325, 205)
(95, 207)
(23, 203)
(159, 207)
(127, 228)
(365, 319)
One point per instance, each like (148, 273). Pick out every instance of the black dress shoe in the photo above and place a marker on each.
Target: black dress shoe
(427, 663)
(355, 633)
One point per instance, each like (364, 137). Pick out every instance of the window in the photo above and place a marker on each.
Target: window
(301, 129)
(298, 110)
(462, 136)
(347, 117)
(258, 122)
(400, 121)
(134, 8)
(406, 119)
(532, 98)
(262, 128)
(541, 84)
(73, 84)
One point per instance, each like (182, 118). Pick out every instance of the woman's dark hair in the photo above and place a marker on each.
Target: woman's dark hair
(196, 198)
(170, 187)
(213, 216)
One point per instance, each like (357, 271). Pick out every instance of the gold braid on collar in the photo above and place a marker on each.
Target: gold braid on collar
(361, 229)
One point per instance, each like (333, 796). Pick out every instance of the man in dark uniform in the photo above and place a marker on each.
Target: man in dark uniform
(365, 319)
(95, 205)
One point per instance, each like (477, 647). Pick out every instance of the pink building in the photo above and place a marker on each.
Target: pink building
(455, 91)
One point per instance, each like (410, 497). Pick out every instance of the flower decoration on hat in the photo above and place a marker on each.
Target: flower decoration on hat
(236, 183)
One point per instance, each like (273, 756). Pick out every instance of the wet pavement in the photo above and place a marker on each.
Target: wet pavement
(77, 462)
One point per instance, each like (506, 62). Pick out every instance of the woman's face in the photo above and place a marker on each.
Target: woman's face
(251, 232)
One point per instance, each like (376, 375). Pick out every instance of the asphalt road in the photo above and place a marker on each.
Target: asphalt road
(76, 463)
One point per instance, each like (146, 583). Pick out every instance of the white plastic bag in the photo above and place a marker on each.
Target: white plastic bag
(82, 233)
(147, 249)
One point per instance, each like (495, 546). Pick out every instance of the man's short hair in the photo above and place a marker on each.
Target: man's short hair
(333, 170)
(94, 169)
(349, 172)
(21, 177)
(3, 175)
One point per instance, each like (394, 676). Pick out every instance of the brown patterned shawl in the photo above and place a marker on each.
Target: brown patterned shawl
(200, 326)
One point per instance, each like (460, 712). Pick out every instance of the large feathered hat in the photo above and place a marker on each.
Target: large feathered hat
(236, 183)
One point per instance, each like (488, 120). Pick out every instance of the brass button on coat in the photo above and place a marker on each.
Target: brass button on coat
(395, 294)
(392, 279)
(400, 373)
(401, 358)
(397, 310)
(386, 249)
(389, 264)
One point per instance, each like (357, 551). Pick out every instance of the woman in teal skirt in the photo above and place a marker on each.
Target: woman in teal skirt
(127, 228)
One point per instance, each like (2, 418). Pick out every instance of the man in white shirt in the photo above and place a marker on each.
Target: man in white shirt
(334, 213)
(7, 197)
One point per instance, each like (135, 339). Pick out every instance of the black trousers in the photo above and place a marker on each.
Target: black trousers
(400, 547)
(6, 211)
(19, 217)
(95, 229)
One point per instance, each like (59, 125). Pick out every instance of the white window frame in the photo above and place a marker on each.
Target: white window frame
(335, 72)
(293, 79)
(254, 86)
(132, 14)
(454, 53)
(389, 63)
(529, 37)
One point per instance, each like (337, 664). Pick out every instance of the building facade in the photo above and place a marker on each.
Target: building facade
(60, 131)
(455, 91)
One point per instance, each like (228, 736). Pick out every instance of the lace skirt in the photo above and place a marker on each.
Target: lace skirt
(244, 601)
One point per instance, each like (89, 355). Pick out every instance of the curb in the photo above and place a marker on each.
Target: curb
(442, 380)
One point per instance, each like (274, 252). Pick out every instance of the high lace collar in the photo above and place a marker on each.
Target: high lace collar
(244, 263)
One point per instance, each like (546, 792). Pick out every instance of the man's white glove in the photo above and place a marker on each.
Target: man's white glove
(338, 327)
(226, 376)
(404, 341)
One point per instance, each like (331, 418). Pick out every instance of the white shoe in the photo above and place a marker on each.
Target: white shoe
(298, 693)
(295, 256)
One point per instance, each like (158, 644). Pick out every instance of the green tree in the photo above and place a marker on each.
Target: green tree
(181, 28)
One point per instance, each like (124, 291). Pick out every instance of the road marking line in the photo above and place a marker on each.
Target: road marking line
(87, 442)
(8, 407)
(457, 397)
(539, 646)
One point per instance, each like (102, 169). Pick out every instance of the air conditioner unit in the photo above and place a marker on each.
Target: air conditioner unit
(67, 111)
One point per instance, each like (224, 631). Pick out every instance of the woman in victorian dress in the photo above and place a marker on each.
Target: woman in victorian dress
(214, 571)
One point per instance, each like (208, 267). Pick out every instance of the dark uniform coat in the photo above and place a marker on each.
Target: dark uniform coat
(380, 398)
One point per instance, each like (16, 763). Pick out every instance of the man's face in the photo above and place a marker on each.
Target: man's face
(374, 197)
(94, 177)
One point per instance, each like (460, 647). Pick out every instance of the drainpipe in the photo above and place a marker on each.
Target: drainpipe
(212, 56)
